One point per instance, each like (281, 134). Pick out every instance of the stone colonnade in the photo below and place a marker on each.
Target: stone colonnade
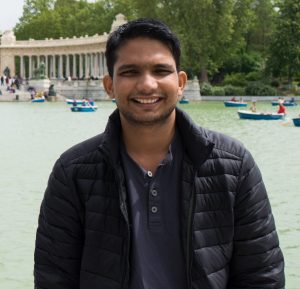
(63, 66)
(77, 57)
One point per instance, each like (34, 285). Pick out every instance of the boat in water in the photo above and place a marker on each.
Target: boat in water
(231, 103)
(184, 101)
(285, 103)
(84, 108)
(246, 114)
(296, 121)
(72, 101)
(38, 99)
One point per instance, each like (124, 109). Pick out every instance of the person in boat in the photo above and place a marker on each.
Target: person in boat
(281, 108)
(292, 100)
(253, 106)
(155, 201)
(91, 102)
(85, 102)
(74, 101)
(233, 99)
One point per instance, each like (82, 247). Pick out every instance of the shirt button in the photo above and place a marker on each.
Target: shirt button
(154, 193)
(149, 173)
(154, 209)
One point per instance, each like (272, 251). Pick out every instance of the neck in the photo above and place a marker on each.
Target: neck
(148, 145)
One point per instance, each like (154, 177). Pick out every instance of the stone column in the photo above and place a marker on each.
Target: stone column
(87, 71)
(50, 66)
(54, 66)
(74, 66)
(68, 66)
(22, 74)
(38, 61)
(30, 67)
(104, 65)
(80, 66)
(92, 62)
(60, 67)
(96, 64)
(101, 65)
(46, 65)
(91, 66)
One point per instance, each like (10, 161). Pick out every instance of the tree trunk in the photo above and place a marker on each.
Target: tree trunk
(203, 75)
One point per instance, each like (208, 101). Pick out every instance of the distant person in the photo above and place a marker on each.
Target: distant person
(17, 83)
(32, 93)
(2, 80)
(281, 108)
(85, 102)
(155, 201)
(91, 102)
(233, 98)
(253, 106)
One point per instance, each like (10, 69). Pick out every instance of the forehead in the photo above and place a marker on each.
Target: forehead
(140, 47)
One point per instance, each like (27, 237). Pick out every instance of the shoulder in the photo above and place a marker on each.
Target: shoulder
(87, 149)
(225, 143)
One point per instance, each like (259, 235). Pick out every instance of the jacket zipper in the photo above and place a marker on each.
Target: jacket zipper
(124, 211)
(189, 235)
(123, 208)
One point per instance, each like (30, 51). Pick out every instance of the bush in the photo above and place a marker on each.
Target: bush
(275, 83)
(234, 90)
(259, 89)
(235, 79)
(206, 89)
(254, 76)
(218, 91)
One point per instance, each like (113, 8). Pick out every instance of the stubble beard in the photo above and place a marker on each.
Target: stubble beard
(147, 120)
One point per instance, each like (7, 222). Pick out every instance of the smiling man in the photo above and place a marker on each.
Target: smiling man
(155, 201)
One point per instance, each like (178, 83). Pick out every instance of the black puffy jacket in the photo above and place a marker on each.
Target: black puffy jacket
(228, 231)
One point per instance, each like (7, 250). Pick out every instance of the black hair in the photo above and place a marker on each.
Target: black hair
(143, 27)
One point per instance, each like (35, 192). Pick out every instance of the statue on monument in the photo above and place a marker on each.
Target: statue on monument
(51, 91)
(39, 73)
(6, 72)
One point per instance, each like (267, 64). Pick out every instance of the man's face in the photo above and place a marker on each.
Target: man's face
(145, 83)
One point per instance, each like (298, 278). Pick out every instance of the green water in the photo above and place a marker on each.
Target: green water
(33, 135)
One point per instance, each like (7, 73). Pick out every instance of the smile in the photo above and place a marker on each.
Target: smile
(147, 100)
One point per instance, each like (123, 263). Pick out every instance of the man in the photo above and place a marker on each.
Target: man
(155, 201)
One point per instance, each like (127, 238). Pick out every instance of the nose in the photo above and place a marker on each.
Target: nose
(147, 83)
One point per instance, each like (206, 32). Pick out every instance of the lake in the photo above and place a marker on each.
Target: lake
(33, 136)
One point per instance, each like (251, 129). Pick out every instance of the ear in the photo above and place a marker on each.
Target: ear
(108, 85)
(182, 79)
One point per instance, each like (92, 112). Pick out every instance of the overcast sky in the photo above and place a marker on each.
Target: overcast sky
(10, 12)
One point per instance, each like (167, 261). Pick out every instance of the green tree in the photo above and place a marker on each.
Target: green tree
(285, 47)
(259, 35)
(63, 18)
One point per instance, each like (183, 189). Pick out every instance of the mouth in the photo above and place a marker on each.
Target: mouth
(148, 100)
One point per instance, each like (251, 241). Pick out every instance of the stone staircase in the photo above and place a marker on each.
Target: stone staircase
(18, 95)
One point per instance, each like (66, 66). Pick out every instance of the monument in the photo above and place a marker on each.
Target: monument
(40, 82)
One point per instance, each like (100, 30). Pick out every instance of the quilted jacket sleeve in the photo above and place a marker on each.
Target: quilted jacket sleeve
(257, 259)
(59, 235)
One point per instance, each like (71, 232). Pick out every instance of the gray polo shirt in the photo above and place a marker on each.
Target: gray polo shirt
(157, 259)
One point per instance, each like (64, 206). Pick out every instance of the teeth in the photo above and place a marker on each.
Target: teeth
(147, 100)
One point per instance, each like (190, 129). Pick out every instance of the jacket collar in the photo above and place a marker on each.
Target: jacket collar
(196, 141)
(197, 144)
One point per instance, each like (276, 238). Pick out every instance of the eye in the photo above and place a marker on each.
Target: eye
(163, 71)
(129, 72)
